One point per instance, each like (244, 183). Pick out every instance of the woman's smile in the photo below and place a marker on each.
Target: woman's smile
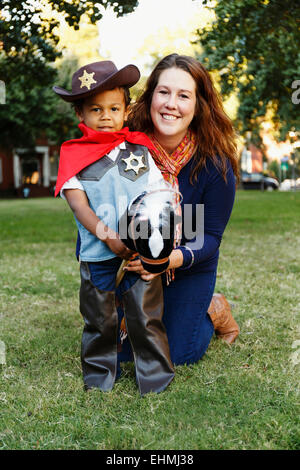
(169, 117)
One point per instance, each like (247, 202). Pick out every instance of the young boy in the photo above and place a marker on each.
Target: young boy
(99, 174)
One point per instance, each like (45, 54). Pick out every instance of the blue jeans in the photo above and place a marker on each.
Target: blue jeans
(189, 327)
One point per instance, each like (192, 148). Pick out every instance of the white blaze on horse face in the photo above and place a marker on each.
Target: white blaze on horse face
(153, 209)
(156, 243)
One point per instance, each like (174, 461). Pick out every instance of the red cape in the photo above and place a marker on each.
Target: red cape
(77, 154)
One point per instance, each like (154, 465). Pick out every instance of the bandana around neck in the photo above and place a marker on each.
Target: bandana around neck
(170, 165)
(77, 154)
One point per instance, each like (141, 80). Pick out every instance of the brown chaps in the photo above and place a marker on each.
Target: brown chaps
(143, 310)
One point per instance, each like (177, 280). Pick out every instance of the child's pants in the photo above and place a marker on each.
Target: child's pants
(143, 309)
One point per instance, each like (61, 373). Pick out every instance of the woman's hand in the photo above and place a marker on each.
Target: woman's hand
(137, 267)
(175, 258)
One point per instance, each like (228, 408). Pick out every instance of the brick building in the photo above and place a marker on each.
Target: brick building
(29, 172)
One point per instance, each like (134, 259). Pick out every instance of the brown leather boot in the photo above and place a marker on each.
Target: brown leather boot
(225, 325)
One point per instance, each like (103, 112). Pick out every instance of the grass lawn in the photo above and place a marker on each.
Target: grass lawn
(238, 397)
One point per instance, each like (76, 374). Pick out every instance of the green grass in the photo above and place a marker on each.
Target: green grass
(239, 397)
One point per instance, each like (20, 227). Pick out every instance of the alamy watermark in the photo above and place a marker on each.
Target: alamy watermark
(2, 353)
(296, 94)
(295, 356)
(191, 223)
(2, 92)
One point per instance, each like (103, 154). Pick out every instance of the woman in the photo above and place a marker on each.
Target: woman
(182, 114)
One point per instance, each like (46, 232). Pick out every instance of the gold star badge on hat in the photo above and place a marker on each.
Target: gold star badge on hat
(136, 167)
(87, 79)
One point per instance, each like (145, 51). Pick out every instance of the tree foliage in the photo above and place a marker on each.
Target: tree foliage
(36, 112)
(28, 49)
(254, 44)
(24, 27)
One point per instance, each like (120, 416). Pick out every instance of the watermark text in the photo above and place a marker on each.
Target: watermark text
(296, 94)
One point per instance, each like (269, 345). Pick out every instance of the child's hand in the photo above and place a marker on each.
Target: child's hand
(118, 247)
(112, 240)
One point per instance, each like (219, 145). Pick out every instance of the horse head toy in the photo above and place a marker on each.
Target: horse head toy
(151, 221)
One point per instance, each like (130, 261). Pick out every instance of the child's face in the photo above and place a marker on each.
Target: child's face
(104, 111)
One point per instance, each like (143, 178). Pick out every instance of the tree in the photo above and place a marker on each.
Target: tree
(26, 28)
(254, 44)
(28, 49)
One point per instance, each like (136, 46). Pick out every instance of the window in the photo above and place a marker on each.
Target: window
(54, 160)
(2, 92)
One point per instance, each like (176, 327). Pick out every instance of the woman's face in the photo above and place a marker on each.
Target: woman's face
(173, 106)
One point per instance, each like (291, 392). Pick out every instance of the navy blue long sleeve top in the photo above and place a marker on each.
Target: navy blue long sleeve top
(217, 197)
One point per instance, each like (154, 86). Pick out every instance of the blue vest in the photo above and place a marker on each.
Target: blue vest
(110, 186)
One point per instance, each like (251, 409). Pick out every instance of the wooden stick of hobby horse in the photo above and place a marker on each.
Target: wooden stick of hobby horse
(121, 272)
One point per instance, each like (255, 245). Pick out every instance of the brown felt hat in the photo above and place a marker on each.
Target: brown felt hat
(97, 77)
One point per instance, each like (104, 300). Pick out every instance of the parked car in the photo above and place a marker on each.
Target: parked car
(286, 185)
(258, 181)
(290, 185)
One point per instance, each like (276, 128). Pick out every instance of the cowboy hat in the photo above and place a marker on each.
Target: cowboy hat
(97, 77)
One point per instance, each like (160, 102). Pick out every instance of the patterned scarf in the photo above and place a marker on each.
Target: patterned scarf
(170, 166)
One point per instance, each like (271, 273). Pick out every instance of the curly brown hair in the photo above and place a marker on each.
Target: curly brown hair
(215, 135)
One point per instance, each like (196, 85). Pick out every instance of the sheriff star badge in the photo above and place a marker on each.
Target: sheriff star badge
(134, 158)
(87, 79)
